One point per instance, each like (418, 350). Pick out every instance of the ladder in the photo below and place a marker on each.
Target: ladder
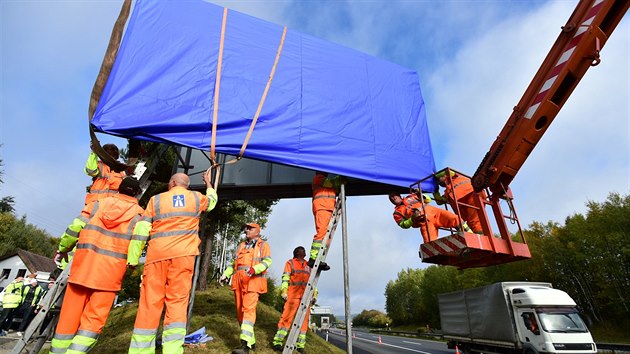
(54, 298)
(51, 304)
(307, 297)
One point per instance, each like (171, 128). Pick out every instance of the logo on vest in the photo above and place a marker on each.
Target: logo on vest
(178, 201)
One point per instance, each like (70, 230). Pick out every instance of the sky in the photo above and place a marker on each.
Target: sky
(474, 58)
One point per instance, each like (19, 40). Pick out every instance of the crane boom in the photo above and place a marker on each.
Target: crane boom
(576, 49)
(472, 198)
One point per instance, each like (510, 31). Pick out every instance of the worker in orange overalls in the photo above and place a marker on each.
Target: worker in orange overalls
(104, 180)
(324, 198)
(249, 279)
(294, 280)
(409, 212)
(102, 234)
(172, 220)
(460, 188)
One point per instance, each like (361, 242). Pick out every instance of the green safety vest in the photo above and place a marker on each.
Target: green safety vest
(35, 300)
(12, 295)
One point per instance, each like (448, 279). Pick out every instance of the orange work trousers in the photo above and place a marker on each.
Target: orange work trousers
(288, 314)
(246, 303)
(167, 282)
(435, 219)
(84, 309)
(322, 219)
(468, 214)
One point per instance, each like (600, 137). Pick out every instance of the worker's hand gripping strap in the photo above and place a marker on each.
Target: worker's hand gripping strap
(99, 85)
(263, 98)
(217, 175)
(132, 156)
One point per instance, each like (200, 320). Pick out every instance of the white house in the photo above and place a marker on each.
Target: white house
(22, 263)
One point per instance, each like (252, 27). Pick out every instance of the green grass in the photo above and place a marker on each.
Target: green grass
(616, 332)
(214, 309)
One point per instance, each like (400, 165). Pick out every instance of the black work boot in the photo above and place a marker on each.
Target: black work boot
(278, 347)
(323, 266)
(244, 349)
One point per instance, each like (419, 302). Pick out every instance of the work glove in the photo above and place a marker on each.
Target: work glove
(251, 271)
(60, 256)
(417, 216)
(313, 300)
(439, 199)
(284, 295)
(223, 280)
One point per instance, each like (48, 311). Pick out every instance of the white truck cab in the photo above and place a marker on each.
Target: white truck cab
(547, 320)
(514, 318)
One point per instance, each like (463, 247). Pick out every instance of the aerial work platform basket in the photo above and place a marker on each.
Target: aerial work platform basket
(467, 249)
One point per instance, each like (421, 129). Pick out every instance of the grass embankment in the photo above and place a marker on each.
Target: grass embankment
(612, 333)
(214, 309)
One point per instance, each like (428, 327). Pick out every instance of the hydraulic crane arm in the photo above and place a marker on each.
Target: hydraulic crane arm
(576, 49)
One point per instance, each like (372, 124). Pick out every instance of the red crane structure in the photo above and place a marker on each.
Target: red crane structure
(577, 49)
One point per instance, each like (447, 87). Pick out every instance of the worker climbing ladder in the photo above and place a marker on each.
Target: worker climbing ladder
(309, 292)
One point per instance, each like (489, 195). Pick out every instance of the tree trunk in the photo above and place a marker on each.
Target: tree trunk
(206, 255)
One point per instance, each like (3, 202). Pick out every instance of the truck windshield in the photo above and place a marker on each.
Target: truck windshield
(561, 320)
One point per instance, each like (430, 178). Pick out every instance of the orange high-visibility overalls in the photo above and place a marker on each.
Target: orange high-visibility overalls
(169, 267)
(99, 265)
(294, 279)
(323, 206)
(436, 218)
(403, 212)
(462, 189)
(247, 289)
(105, 182)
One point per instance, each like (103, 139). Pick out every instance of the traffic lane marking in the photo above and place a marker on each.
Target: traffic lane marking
(406, 341)
(392, 345)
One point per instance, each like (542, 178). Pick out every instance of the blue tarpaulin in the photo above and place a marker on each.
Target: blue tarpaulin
(328, 107)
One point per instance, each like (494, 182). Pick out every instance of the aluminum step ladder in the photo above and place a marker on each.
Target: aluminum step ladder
(307, 297)
(51, 304)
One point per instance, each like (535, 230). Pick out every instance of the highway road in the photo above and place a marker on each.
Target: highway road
(368, 343)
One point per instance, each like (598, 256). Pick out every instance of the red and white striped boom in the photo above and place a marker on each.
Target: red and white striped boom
(576, 49)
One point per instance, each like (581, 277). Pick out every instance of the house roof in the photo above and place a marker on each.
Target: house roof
(33, 261)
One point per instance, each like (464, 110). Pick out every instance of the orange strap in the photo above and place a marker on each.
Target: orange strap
(217, 86)
(263, 98)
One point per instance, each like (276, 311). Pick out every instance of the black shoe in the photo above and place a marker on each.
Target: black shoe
(323, 266)
(244, 349)
(300, 350)
(278, 347)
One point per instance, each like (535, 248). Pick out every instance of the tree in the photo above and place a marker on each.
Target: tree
(371, 318)
(17, 233)
(6, 203)
(401, 297)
